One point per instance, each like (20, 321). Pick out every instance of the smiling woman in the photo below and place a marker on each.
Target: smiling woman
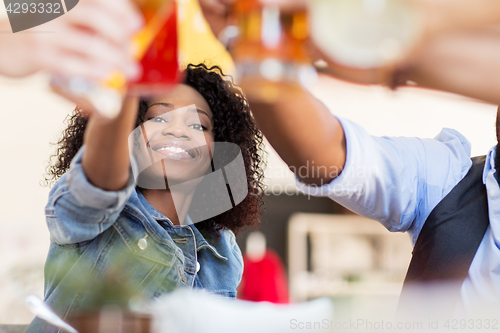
(179, 135)
(109, 231)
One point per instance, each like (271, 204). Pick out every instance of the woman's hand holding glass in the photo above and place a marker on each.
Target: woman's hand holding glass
(90, 41)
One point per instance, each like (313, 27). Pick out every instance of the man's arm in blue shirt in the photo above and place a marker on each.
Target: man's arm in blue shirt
(396, 181)
(303, 131)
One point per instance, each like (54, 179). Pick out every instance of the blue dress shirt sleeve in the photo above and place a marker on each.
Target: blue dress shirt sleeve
(78, 211)
(396, 181)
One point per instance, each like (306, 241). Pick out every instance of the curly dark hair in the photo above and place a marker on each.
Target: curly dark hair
(233, 123)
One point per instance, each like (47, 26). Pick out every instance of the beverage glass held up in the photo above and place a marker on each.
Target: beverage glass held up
(365, 40)
(267, 43)
(155, 46)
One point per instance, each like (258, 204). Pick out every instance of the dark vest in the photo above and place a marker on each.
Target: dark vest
(450, 238)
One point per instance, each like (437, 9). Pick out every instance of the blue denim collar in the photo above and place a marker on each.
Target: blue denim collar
(201, 242)
(153, 212)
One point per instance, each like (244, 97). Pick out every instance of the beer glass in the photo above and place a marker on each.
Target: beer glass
(269, 48)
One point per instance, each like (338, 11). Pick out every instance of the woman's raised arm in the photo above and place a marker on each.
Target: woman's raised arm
(106, 160)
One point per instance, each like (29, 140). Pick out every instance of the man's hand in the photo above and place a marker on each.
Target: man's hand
(91, 40)
(216, 13)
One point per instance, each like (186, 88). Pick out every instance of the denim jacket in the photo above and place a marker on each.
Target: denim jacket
(96, 234)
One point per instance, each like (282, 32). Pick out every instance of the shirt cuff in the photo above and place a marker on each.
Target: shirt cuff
(88, 195)
(340, 186)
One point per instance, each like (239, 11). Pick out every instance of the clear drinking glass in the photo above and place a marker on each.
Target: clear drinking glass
(365, 38)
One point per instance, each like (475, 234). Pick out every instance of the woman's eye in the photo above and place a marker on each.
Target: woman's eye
(158, 120)
(198, 127)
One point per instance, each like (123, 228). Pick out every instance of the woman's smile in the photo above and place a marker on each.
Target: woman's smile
(176, 150)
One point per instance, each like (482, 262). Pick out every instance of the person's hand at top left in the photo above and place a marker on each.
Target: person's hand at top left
(91, 40)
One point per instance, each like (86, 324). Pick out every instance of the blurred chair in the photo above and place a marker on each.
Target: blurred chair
(344, 256)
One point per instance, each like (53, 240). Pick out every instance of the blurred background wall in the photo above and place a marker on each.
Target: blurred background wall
(31, 118)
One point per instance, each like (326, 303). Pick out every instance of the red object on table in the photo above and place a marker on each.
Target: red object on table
(264, 280)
